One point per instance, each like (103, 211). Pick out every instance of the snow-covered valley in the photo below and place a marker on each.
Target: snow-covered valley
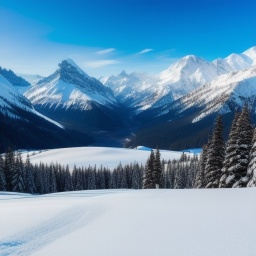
(130, 222)
(90, 156)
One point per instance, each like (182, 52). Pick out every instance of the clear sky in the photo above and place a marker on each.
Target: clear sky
(105, 37)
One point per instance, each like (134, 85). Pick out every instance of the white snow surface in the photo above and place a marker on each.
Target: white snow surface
(130, 222)
(91, 156)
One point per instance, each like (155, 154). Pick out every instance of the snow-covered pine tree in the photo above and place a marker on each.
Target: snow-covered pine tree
(215, 156)
(52, 180)
(244, 143)
(230, 159)
(149, 179)
(76, 178)
(68, 186)
(200, 175)
(9, 166)
(2, 176)
(250, 178)
(92, 178)
(29, 181)
(18, 174)
(180, 178)
(136, 176)
(157, 170)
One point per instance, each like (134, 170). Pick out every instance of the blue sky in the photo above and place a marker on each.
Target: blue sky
(107, 36)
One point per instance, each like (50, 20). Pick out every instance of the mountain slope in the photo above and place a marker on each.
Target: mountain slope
(23, 127)
(20, 83)
(187, 74)
(143, 91)
(188, 121)
(135, 89)
(75, 99)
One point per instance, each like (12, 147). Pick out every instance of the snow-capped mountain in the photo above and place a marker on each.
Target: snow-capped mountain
(189, 73)
(23, 126)
(70, 87)
(225, 94)
(236, 62)
(31, 78)
(190, 118)
(19, 82)
(186, 75)
(144, 91)
(73, 98)
(11, 100)
(137, 90)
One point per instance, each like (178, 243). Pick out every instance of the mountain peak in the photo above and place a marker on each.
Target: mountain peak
(188, 61)
(123, 73)
(68, 65)
(251, 52)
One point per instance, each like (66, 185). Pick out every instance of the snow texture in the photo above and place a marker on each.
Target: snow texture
(135, 222)
(91, 156)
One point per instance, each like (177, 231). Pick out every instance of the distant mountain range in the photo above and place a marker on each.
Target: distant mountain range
(174, 109)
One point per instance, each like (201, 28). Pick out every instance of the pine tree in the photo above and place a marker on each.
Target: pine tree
(68, 186)
(92, 178)
(29, 183)
(136, 176)
(251, 170)
(18, 174)
(52, 180)
(9, 168)
(200, 176)
(230, 159)
(180, 178)
(215, 156)
(2, 176)
(244, 143)
(157, 169)
(149, 179)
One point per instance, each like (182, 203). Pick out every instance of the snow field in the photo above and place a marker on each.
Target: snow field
(107, 157)
(128, 222)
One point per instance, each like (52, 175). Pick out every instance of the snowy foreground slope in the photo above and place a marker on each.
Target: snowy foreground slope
(128, 222)
(107, 157)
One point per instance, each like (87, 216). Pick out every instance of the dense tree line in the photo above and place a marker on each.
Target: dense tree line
(231, 164)
(18, 175)
(221, 165)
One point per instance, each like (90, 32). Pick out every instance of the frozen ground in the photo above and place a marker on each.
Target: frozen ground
(107, 157)
(128, 222)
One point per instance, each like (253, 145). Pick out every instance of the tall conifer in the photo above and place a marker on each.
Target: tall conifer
(215, 156)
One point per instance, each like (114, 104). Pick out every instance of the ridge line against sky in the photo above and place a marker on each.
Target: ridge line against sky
(106, 36)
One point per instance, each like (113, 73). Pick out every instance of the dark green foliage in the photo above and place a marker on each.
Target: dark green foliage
(215, 156)
(250, 178)
(18, 175)
(29, 181)
(2, 176)
(200, 176)
(157, 171)
(149, 179)
(230, 159)
(9, 168)
(244, 144)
